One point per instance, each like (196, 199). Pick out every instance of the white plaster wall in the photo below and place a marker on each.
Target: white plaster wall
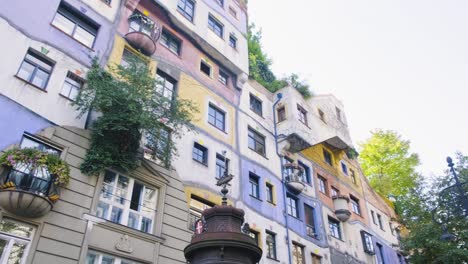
(385, 234)
(199, 175)
(48, 103)
(107, 11)
(200, 26)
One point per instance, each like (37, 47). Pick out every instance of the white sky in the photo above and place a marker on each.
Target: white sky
(395, 64)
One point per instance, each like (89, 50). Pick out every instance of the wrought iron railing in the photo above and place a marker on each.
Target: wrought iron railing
(18, 180)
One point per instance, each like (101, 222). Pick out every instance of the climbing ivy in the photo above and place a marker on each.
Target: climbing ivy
(130, 112)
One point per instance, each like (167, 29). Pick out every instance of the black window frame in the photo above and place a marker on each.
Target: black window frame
(367, 243)
(42, 59)
(332, 222)
(373, 217)
(323, 180)
(305, 172)
(379, 220)
(221, 169)
(204, 153)
(355, 205)
(269, 191)
(292, 207)
(254, 184)
(271, 247)
(334, 191)
(255, 235)
(281, 113)
(380, 254)
(327, 157)
(223, 77)
(168, 40)
(301, 248)
(232, 41)
(75, 81)
(256, 137)
(183, 9)
(219, 123)
(208, 71)
(216, 26)
(302, 115)
(344, 168)
(254, 102)
(310, 221)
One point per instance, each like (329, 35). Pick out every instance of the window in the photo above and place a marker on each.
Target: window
(292, 206)
(367, 242)
(309, 215)
(35, 69)
(322, 184)
(302, 114)
(321, 115)
(344, 168)
(269, 193)
(233, 12)
(297, 254)
(130, 57)
(281, 112)
(75, 24)
(316, 259)
(271, 244)
(380, 254)
(305, 172)
(379, 218)
(138, 22)
(254, 186)
(216, 117)
(232, 41)
(338, 113)
(255, 235)
(327, 157)
(220, 2)
(158, 142)
(30, 142)
(256, 142)
(288, 171)
(222, 166)
(353, 176)
(72, 86)
(355, 204)
(15, 241)
(256, 105)
(197, 206)
(373, 217)
(107, 1)
(186, 8)
(334, 191)
(200, 153)
(334, 225)
(127, 202)
(205, 68)
(165, 87)
(170, 41)
(392, 230)
(94, 257)
(215, 26)
(223, 77)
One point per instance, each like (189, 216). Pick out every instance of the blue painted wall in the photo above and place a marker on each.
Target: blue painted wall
(389, 254)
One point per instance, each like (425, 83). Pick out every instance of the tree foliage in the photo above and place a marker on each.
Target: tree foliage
(387, 162)
(260, 67)
(130, 107)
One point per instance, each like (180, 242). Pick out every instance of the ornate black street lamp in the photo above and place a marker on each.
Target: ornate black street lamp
(452, 203)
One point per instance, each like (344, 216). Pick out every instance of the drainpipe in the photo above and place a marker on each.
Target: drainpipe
(279, 96)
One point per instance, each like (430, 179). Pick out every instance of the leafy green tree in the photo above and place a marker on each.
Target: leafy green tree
(387, 162)
(129, 108)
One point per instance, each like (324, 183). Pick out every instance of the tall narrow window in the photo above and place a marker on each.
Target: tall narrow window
(321, 115)
(353, 176)
(292, 206)
(256, 105)
(298, 254)
(392, 230)
(165, 87)
(222, 165)
(232, 41)
(380, 254)
(215, 26)
(186, 8)
(72, 86)
(379, 219)
(334, 226)
(367, 242)
(200, 153)
(254, 185)
(36, 69)
(269, 193)
(322, 184)
(197, 205)
(373, 217)
(157, 141)
(216, 117)
(271, 244)
(334, 191)
(15, 241)
(127, 202)
(305, 172)
(73, 23)
(344, 168)
(223, 77)
(281, 113)
(316, 259)
(302, 114)
(327, 157)
(338, 113)
(355, 204)
(256, 142)
(255, 235)
(309, 215)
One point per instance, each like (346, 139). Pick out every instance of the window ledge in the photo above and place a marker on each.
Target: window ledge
(66, 98)
(130, 231)
(273, 259)
(263, 155)
(171, 51)
(201, 163)
(33, 85)
(70, 36)
(256, 198)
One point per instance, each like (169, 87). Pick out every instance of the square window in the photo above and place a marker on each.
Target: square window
(302, 114)
(309, 214)
(292, 206)
(322, 185)
(271, 244)
(344, 168)
(255, 235)
(75, 24)
(256, 142)
(200, 153)
(170, 41)
(94, 257)
(298, 254)
(223, 77)
(216, 117)
(128, 202)
(316, 259)
(335, 229)
(186, 8)
(222, 166)
(254, 185)
(327, 157)
(367, 243)
(215, 26)
(72, 86)
(205, 68)
(255, 104)
(379, 254)
(281, 113)
(269, 193)
(232, 41)
(355, 205)
(36, 69)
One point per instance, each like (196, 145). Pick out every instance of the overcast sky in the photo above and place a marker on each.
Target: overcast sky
(395, 64)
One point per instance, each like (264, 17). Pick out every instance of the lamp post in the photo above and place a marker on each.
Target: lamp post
(452, 202)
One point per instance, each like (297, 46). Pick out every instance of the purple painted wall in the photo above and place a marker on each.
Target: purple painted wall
(389, 254)
(16, 120)
(33, 18)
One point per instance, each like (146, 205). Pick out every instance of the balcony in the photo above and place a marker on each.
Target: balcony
(294, 178)
(143, 34)
(28, 194)
(341, 207)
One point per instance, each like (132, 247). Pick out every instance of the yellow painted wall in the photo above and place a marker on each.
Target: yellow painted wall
(116, 55)
(204, 194)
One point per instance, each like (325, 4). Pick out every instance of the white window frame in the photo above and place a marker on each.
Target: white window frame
(12, 239)
(117, 260)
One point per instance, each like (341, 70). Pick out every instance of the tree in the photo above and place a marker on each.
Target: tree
(388, 163)
(130, 108)
(423, 239)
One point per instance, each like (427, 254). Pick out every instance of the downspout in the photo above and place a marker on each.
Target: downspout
(279, 96)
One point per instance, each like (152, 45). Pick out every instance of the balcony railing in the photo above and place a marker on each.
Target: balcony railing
(143, 33)
(310, 231)
(294, 177)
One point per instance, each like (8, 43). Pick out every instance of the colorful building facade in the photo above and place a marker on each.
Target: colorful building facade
(295, 173)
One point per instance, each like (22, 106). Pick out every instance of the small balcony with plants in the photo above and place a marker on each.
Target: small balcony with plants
(143, 33)
(30, 181)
